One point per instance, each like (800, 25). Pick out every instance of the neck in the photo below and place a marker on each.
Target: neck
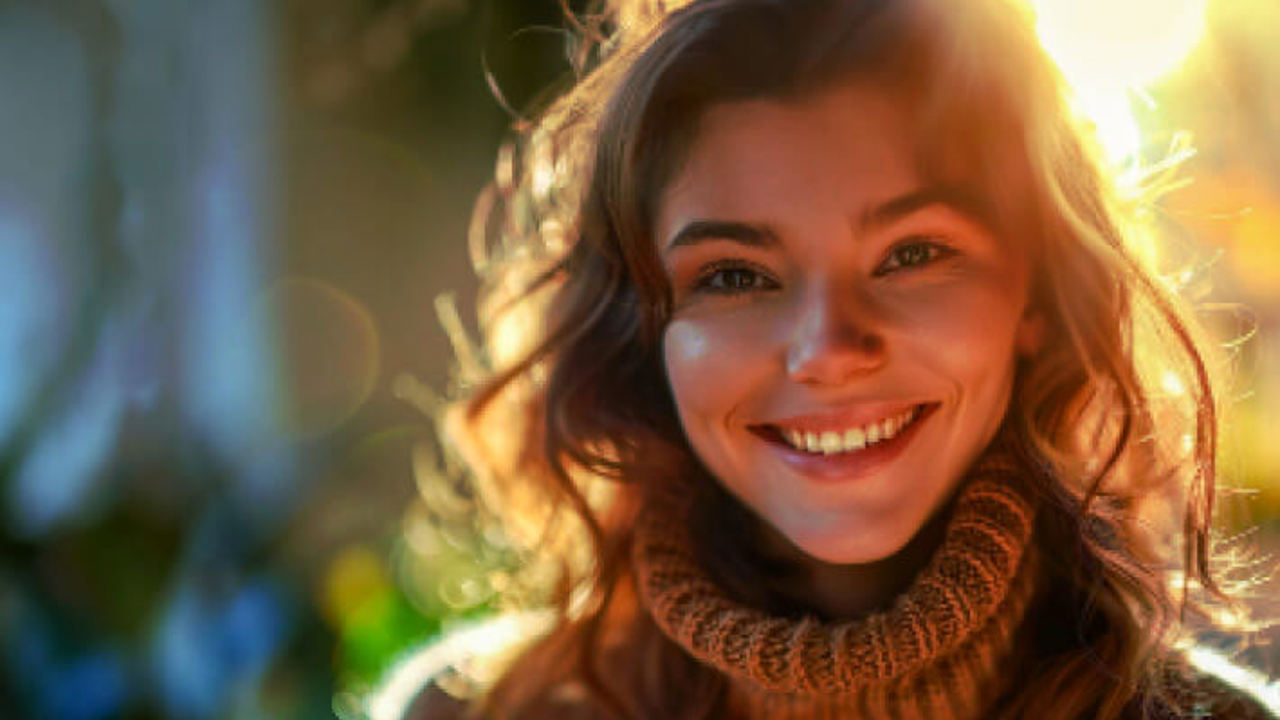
(835, 591)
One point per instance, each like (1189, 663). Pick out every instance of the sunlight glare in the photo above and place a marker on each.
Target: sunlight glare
(1106, 48)
(1113, 119)
(1119, 43)
(1173, 384)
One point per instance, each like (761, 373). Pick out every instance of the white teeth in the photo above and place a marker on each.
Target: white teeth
(796, 438)
(873, 433)
(831, 442)
(811, 442)
(854, 439)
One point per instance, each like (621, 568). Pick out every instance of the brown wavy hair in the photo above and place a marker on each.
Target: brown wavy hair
(564, 414)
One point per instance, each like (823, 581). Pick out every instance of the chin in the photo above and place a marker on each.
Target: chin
(843, 547)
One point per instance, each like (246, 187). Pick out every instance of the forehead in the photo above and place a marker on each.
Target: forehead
(840, 148)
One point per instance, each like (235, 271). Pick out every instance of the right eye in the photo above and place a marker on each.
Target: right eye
(733, 279)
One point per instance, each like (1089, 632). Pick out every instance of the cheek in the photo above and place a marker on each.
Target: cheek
(690, 352)
(968, 330)
(709, 367)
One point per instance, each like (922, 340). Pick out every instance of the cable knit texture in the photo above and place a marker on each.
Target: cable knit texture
(936, 652)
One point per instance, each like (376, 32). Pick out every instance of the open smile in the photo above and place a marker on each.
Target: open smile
(827, 450)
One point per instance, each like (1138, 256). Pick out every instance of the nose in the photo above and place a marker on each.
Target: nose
(836, 338)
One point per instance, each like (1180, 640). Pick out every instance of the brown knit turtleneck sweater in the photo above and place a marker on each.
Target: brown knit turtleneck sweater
(941, 651)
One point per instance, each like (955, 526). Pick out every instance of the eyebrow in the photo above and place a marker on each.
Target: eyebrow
(955, 198)
(699, 231)
(886, 213)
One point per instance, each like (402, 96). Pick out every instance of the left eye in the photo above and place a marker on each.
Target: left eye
(912, 254)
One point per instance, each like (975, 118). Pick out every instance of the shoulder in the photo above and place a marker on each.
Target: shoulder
(1210, 686)
(438, 680)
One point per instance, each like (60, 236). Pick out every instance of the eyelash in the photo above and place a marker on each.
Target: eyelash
(706, 280)
(939, 252)
(718, 269)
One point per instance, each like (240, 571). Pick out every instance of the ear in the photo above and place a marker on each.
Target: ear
(1029, 337)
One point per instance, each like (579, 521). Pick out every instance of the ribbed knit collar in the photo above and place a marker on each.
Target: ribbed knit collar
(940, 651)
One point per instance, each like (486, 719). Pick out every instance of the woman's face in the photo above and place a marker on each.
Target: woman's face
(843, 337)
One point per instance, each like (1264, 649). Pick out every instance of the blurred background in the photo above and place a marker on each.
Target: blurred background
(224, 227)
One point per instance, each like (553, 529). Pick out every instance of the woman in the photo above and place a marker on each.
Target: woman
(849, 370)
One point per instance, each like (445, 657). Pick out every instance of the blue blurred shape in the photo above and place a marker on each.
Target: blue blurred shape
(45, 128)
(228, 365)
(209, 645)
(230, 390)
(254, 623)
(188, 675)
(57, 474)
(92, 687)
(34, 296)
(88, 686)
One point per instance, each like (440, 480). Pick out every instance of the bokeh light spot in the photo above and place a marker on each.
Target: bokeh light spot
(330, 353)
(1256, 252)
(356, 577)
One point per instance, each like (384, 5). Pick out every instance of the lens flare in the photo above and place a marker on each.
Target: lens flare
(1119, 44)
(1108, 48)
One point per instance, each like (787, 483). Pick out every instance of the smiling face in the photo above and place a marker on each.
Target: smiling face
(844, 334)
